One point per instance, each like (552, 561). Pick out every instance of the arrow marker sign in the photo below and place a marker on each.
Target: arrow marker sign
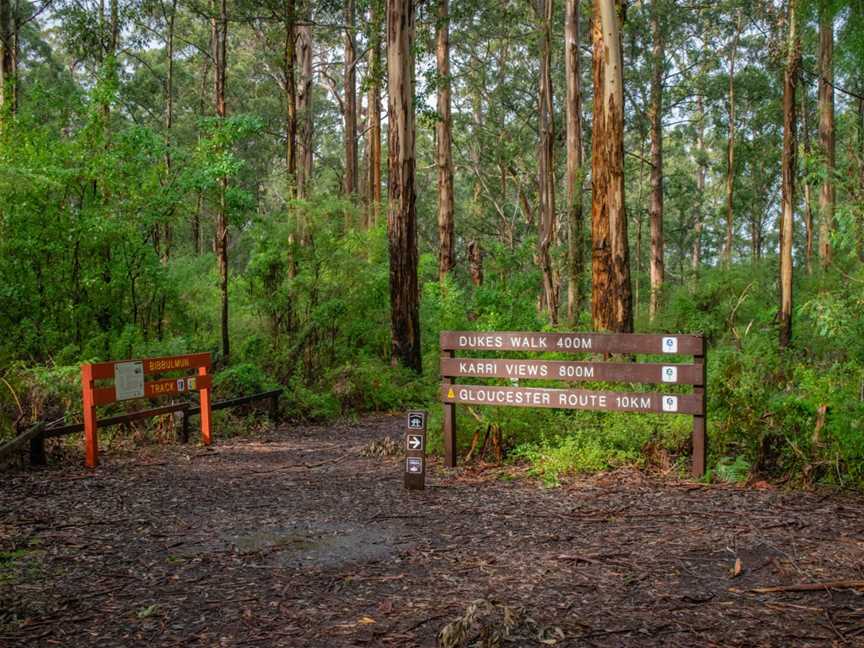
(415, 441)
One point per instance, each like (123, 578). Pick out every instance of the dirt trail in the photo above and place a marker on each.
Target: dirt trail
(296, 539)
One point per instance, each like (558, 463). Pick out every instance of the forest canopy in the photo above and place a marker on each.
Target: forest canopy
(313, 196)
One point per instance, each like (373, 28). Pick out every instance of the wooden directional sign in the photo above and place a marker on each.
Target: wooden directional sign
(665, 373)
(415, 449)
(581, 399)
(649, 373)
(572, 342)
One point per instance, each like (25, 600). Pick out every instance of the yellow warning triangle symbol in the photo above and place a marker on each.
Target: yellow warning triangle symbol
(450, 394)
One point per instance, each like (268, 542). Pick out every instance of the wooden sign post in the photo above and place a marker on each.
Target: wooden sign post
(658, 373)
(128, 383)
(415, 451)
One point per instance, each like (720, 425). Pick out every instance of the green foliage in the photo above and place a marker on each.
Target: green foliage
(107, 223)
(241, 380)
(734, 470)
(764, 404)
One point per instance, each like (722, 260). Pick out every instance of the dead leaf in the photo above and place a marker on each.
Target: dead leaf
(366, 620)
(385, 607)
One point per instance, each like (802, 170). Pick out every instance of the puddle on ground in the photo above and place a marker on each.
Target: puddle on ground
(325, 545)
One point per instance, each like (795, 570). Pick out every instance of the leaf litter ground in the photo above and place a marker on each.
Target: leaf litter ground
(299, 537)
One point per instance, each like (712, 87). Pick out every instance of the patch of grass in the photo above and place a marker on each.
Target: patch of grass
(21, 564)
(732, 470)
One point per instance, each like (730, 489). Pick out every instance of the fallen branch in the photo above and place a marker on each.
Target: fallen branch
(300, 465)
(811, 587)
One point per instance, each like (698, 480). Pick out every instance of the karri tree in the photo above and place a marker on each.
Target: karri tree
(611, 295)
(575, 169)
(444, 143)
(790, 144)
(548, 226)
(402, 209)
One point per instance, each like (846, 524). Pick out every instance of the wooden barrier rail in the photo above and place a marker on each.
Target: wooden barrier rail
(272, 395)
(38, 433)
(668, 373)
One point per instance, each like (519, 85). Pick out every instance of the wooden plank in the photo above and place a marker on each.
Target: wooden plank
(571, 399)
(572, 342)
(105, 370)
(646, 373)
(157, 388)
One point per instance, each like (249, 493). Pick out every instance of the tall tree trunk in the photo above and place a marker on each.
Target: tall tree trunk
(7, 60)
(805, 182)
(288, 72)
(476, 144)
(575, 172)
(826, 131)
(110, 57)
(220, 60)
(350, 103)
(548, 225)
(402, 211)
(860, 242)
(304, 110)
(169, 122)
(655, 207)
(15, 98)
(790, 81)
(197, 240)
(730, 150)
(475, 263)
(611, 297)
(443, 132)
(167, 232)
(700, 183)
(374, 111)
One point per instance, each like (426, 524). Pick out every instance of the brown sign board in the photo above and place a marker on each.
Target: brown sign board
(660, 373)
(581, 399)
(572, 342)
(647, 373)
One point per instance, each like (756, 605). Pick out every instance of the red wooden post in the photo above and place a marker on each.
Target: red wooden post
(206, 436)
(91, 438)
(700, 441)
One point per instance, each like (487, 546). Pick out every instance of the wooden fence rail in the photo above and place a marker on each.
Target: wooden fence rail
(37, 434)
